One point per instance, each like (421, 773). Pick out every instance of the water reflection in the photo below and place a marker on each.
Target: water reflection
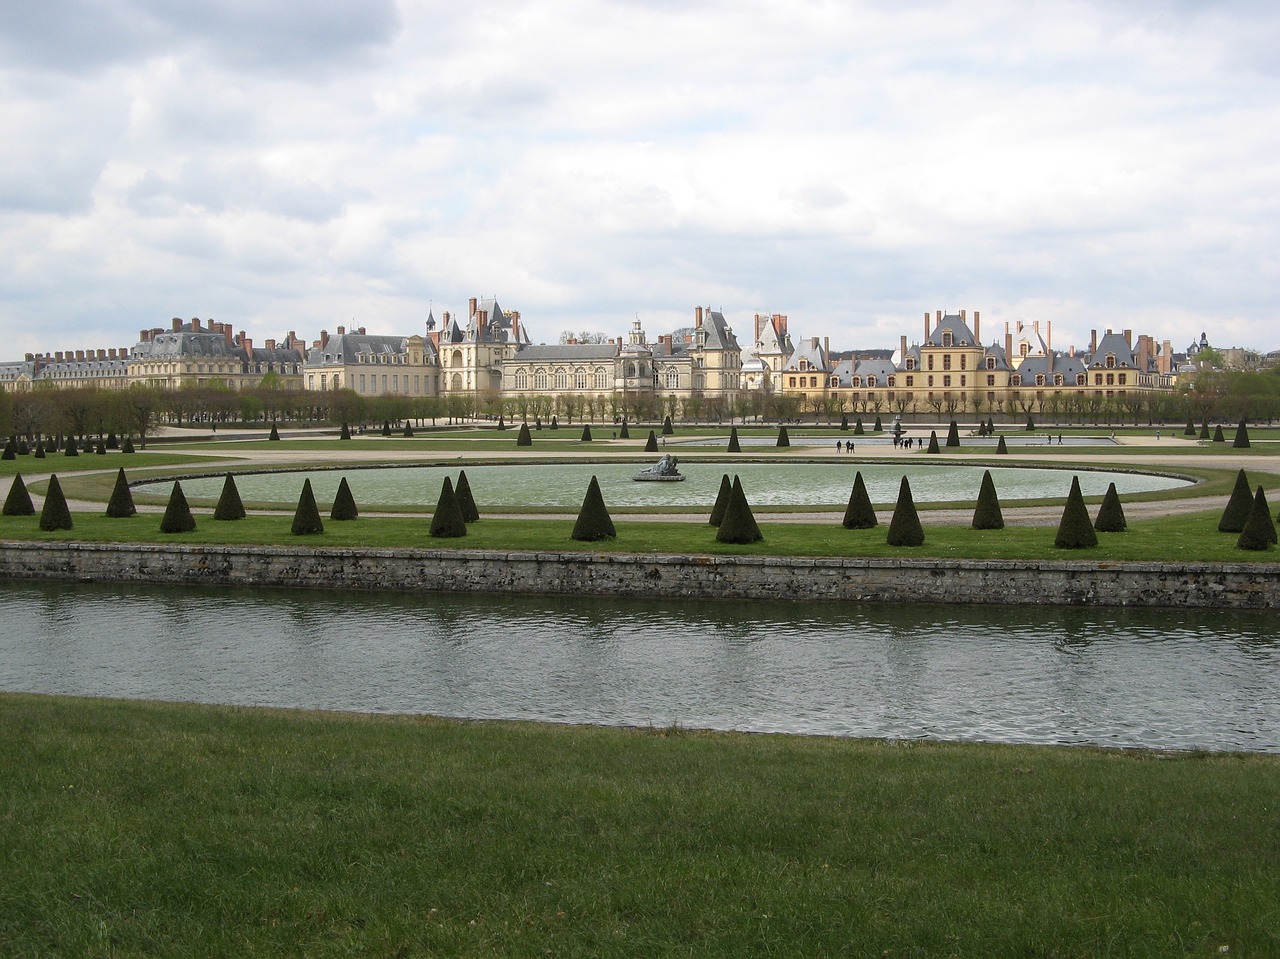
(1115, 677)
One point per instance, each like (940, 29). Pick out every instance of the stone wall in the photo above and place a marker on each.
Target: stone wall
(1233, 585)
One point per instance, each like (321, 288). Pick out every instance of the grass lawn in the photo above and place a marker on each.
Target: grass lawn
(142, 829)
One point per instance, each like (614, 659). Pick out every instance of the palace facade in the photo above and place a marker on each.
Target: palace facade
(488, 354)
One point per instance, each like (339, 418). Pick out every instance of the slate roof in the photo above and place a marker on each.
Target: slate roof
(567, 352)
(354, 348)
(961, 335)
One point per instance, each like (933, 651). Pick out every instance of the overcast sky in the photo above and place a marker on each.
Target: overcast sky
(852, 164)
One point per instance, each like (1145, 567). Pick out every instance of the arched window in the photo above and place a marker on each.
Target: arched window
(456, 359)
(602, 379)
(562, 380)
(522, 379)
(630, 371)
(1015, 380)
(580, 380)
(540, 380)
(671, 379)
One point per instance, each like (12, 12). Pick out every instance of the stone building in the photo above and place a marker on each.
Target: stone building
(195, 354)
(372, 364)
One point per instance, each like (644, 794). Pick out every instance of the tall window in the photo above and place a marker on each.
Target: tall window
(580, 380)
(672, 378)
(540, 380)
(522, 379)
(602, 379)
(562, 380)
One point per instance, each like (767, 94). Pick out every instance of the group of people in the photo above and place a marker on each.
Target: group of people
(847, 447)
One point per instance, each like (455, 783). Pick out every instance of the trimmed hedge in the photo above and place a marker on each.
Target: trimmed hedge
(987, 514)
(624, 433)
(593, 523)
(933, 442)
(859, 514)
(1075, 529)
(18, 502)
(1238, 506)
(1110, 513)
(524, 437)
(177, 514)
(1259, 530)
(229, 506)
(738, 524)
(905, 528)
(783, 438)
(651, 444)
(55, 515)
(447, 521)
(722, 500)
(306, 518)
(121, 505)
(667, 428)
(1241, 442)
(466, 502)
(344, 504)
(274, 435)
(586, 432)
(953, 435)
(734, 445)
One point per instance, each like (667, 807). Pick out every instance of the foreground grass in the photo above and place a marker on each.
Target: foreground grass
(1186, 538)
(135, 829)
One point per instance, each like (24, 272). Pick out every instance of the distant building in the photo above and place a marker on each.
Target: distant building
(193, 354)
(373, 365)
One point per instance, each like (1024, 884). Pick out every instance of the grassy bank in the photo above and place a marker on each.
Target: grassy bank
(135, 829)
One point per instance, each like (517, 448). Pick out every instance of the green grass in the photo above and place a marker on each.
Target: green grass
(139, 829)
(112, 460)
(1187, 538)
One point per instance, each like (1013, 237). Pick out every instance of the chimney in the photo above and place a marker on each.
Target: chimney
(445, 314)
(111, 353)
(270, 344)
(781, 324)
(58, 356)
(79, 355)
(471, 307)
(515, 326)
(195, 324)
(977, 336)
(176, 323)
(939, 316)
(482, 323)
(826, 348)
(342, 330)
(697, 316)
(1128, 338)
(102, 354)
(758, 318)
(962, 316)
(902, 349)
(246, 344)
(144, 336)
(1166, 364)
(324, 339)
(1008, 346)
(1093, 342)
(30, 357)
(926, 329)
(228, 335)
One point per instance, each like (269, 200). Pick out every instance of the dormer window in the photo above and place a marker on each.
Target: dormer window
(1111, 361)
(991, 362)
(911, 363)
(871, 381)
(947, 339)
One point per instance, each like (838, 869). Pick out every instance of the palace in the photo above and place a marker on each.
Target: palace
(488, 354)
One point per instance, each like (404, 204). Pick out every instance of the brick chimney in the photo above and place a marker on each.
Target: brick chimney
(228, 335)
(1128, 338)
(270, 344)
(246, 344)
(926, 329)
(697, 316)
(324, 339)
(780, 323)
(1093, 342)
(515, 326)
(471, 307)
(80, 355)
(195, 324)
(977, 337)
(144, 336)
(111, 353)
(342, 331)
(902, 349)
(102, 354)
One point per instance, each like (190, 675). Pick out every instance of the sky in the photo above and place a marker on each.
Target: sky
(304, 165)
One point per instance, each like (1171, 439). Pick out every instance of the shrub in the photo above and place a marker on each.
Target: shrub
(274, 435)
(1217, 434)
(991, 426)
(10, 450)
(524, 437)
(1075, 529)
(1031, 424)
(722, 500)
(113, 443)
(447, 521)
(734, 445)
(306, 518)
(18, 502)
(39, 453)
(128, 445)
(783, 438)
(408, 429)
(55, 515)
(177, 514)
(466, 502)
(100, 449)
(859, 514)
(1110, 513)
(1204, 430)
(537, 422)
(1190, 430)
(594, 522)
(345, 432)
(586, 432)
(667, 428)
(624, 433)
(933, 442)
(72, 449)
(879, 427)
(1241, 442)
(651, 444)
(555, 423)
(987, 514)
(953, 435)
(502, 422)
(344, 504)
(905, 528)
(1001, 446)
(386, 427)
(1259, 530)
(858, 428)
(121, 503)
(844, 422)
(738, 525)
(229, 505)
(1238, 506)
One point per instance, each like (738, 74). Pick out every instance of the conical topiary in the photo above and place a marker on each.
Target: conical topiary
(879, 427)
(408, 429)
(904, 527)
(344, 504)
(555, 423)
(1238, 506)
(127, 446)
(859, 514)
(306, 518)
(18, 502)
(229, 505)
(933, 443)
(586, 432)
(594, 522)
(177, 514)
(100, 449)
(1031, 424)
(783, 438)
(524, 437)
(953, 435)
(651, 444)
(113, 442)
(987, 514)
(1001, 446)
(502, 422)
(274, 435)
(1259, 530)
(386, 427)
(39, 453)
(991, 426)
(121, 504)
(722, 500)
(844, 422)
(55, 515)
(10, 450)
(1217, 434)
(738, 525)
(447, 521)
(667, 428)
(537, 422)
(72, 449)
(1241, 442)
(624, 433)
(1075, 529)
(1190, 430)
(345, 432)
(466, 502)
(1110, 513)
(734, 445)
(1204, 430)
(857, 428)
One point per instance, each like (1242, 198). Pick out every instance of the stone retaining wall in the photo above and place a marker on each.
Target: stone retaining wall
(1231, 585)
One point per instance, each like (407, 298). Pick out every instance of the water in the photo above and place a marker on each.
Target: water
(562, 485)
(1179, 680)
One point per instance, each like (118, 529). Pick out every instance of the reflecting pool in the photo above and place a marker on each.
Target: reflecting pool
(1114, 677)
